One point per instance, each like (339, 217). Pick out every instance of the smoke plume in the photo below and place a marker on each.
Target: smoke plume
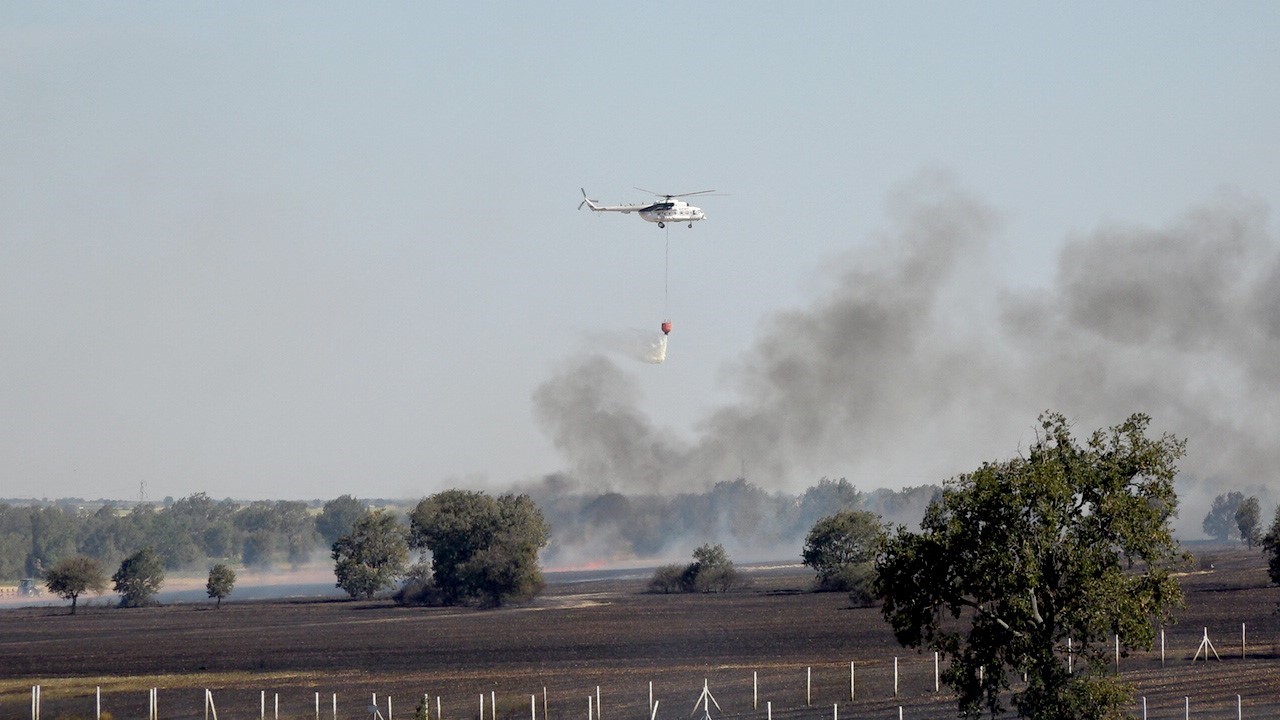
(917, 365)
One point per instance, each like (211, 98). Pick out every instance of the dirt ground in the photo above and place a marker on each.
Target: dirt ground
(752, 647)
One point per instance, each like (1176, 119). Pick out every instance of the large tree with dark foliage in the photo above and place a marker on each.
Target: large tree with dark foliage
(1070, 542)
(139, 578)
(1220, 522)
(337, 517)
(484, 550)
(373, 555)
(1271, 546)
(1248, 520)
(842, 549)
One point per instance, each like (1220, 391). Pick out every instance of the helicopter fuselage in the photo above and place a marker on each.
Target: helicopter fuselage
(674, 211)
(669, 209)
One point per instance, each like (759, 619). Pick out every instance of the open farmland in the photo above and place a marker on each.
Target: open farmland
(579, 635)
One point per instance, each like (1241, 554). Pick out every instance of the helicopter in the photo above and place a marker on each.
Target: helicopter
(669, 209)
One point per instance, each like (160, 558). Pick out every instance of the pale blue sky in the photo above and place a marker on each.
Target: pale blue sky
(304, 249)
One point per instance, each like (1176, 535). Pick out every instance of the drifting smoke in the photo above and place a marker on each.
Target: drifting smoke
(917, 366)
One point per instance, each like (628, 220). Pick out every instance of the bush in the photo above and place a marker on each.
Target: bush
(860, 582)
(419, 587)
(668, 579)
(710, 571)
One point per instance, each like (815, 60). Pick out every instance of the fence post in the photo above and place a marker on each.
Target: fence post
(808, 686)
(895, 676)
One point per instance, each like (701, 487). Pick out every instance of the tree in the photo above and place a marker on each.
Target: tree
(1072, 542)
(1248, 520)
(372, 556)
(842, 548)
(139, 578)
(1271, 546)
(1219, 521)
(74, 575)
(712, 570)
(668, 579)
(483, 549)
(222, 580)
(337, 518)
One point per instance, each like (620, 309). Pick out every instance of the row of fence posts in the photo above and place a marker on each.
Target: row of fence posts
(1186, 707)
(593, 703)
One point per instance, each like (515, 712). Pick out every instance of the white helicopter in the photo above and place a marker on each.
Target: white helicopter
(669, 209)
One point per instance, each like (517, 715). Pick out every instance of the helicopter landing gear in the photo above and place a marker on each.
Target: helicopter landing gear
(662, 225)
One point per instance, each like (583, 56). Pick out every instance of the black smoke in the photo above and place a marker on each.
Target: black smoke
(919, 364)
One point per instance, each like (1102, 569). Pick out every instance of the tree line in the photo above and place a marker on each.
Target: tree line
(194, 531)
(189, 532)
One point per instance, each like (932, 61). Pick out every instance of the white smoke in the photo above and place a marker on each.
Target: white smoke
(633, 344)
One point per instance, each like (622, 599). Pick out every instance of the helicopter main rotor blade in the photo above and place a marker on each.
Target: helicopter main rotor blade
(674, 195)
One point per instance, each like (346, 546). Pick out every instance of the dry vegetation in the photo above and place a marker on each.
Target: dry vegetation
(577, 636)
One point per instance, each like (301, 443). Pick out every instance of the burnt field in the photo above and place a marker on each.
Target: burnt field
(578, 636)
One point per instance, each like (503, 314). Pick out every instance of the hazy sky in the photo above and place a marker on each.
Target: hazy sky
(295, 250)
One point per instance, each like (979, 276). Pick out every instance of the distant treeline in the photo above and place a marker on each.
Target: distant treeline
(586, 527)
(185, 532)
(751, 522)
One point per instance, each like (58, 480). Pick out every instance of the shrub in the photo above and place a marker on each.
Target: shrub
(668, 579)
